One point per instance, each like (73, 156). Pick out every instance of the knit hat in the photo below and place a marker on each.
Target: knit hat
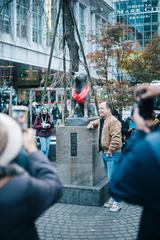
(43, 108)
(10, 139)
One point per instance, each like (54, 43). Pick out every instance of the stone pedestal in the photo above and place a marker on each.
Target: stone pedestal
(79, 121)
(79, 165)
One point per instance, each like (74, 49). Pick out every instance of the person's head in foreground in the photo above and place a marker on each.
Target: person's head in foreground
(24, 192)
(10, 139)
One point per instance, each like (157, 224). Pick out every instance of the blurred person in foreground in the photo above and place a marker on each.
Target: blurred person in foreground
(24, 195)
(136, 178)
(110, 143)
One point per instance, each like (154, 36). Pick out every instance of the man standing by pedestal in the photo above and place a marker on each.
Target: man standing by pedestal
(110, 143)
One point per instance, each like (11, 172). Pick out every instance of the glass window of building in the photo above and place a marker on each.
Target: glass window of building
(154, 17)
(98, 25)
(74, 7)
(141, 18)
(51, 13)
(155, 28)
(59, 40)
(37, 15)
(5, 16)
(51, 9)
(82, 27)
(22, 17)
(103, 22)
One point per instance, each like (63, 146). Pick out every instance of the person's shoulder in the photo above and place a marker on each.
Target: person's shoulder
(21, 185)
(144, 148)
(152, 135)
(114, 120)
(153, 140)
(22, 159)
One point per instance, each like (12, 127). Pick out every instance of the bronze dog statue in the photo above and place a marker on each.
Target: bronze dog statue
(80, 96)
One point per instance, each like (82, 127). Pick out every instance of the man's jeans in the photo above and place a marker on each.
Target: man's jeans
(109, 164)
(45, 143)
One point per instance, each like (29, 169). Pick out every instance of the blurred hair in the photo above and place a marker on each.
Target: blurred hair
(108, 105)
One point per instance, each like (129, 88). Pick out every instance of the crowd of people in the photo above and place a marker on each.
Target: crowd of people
(55, 112)
(130, 154)
(133, 175)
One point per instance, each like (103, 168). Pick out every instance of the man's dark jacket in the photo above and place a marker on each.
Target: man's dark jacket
(136, 180)
(24, 197)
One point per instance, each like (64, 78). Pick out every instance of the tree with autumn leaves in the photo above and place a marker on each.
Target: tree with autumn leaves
(125, 61)
(143, 65)
(106, 59)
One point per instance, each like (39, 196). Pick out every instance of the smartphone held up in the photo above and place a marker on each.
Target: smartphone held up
(21, 115)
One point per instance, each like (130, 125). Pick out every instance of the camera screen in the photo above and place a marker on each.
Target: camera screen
(21, 116)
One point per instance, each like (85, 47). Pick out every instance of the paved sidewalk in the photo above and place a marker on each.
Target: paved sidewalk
(72, 222)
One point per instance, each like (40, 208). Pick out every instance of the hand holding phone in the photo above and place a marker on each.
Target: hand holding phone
(45, 125)
(29, 140)
(21, 115)
(145, 105)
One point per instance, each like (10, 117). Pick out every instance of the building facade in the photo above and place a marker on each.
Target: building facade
(26, 31)
(142, 17)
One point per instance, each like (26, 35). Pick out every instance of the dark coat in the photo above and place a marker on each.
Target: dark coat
(41, 132)
(136, 179)
(26, 196)
(55, 113)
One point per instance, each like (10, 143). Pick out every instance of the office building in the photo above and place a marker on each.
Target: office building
(26, 31)
(142, 17)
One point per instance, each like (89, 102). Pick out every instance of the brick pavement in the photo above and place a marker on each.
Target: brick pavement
(73, 222)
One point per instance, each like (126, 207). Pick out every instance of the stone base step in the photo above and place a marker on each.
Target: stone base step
(82, 195)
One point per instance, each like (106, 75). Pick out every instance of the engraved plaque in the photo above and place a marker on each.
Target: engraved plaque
(73, 139)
